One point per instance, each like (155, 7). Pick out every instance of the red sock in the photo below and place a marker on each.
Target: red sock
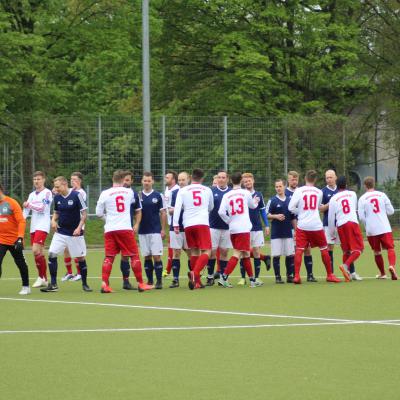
(169, 262)
(352, 257)
(392, 257)
(201, 262)
(327, 261)
(231, 265)
(136, 266)
(43, 268)
(218, 256)
(193, 260)
(106, 270)
(247, 266)
(345, 256)
(38, 264)
(298, 258)
(380, 263)
(67, 262)
(78, 270)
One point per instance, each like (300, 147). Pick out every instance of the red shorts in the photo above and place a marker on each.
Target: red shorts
(198, 237)
(241, 241)
(123, 242)
(306, 239)
(384, 241)
(350, 237)
(38, 237)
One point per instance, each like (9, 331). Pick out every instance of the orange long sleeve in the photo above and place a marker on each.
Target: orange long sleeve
(12, 221)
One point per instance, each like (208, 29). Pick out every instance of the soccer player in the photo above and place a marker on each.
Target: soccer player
(256, 234)
(12, 230)
(305, 204)
(196, 200)
(234, 210)
(68, 220)
(114, 205)
(373, 208)
(170, 179)
(76, 181)
(39, 203)
(343, 215)
(293, 182)
(177, 241)
(220, 238)
(152, 229)
(136, 216)
(282, 225)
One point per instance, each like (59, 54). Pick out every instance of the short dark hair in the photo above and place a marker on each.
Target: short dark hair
(369, 182)
(118, 176)
(128, 173)
(341, 182)
(78, 174)
(280, 180)
(311, 176)
(197, 174)
(236, 178)
(39, 173)
(173, 173)
(148, 173)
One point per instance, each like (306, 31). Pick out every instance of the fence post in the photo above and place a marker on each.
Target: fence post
(163, 158)
(285, 147)
(344, 147)
(21, 154)
(100, 161)
(226, 143)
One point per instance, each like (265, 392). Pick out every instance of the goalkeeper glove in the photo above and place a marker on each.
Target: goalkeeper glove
(19, 244)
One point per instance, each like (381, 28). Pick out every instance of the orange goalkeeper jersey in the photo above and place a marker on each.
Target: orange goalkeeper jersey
(12, 222)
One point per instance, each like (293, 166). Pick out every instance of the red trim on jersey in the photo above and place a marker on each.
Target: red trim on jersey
(198, 237)
(306, 239)
(383, 241)
(38, 237)
(241, 241)
(123, 242)
(350, 237)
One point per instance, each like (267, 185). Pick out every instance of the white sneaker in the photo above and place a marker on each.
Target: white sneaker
(67, 277)
(223, 283)
(25, 290)
(40, 282)
(77, 277)
(381, 277)
(355, 277)
(259, 282)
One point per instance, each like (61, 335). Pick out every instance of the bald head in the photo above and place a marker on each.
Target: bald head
(183, 179)
(330, 178)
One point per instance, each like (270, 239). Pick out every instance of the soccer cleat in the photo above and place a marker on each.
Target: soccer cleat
(50, 288)
(297, 280)
(310, 278)
(289, 279)
(40, 282)
(105, 288)
(279, 280)
(199, 285)
(174, 284)
(165, 273)
(25, 290)
(267, 261)
(86, 288)
(332, 278)
(217, 275)
(210, 282)
(345, 272)
(191, 283)
(223, 283)
(381, 276)
(254, 284)
(259, 282)
(241, 282)
(158, 285)
(144, 286)
(393, 273)
(126, 285)
(77, 277)
(355, 277)
(67, 277)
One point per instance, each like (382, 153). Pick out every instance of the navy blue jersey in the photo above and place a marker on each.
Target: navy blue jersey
(136, 205)
(69, 210)
(214, 218)
(254, 213)
(327, 193)
(174, 193)
(280, 229)
(289, 193)
(152, 204)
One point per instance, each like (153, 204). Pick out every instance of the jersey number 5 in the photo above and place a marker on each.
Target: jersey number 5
(196, 198)
(236, 206)
(310, 202)
(119, 202)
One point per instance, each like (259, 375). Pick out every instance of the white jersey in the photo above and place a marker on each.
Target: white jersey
(39, 204)
(167, 200)
(234, 210)
(305, 203)
(342, 209)
(115, 205)
(196, 201)
(373, 209)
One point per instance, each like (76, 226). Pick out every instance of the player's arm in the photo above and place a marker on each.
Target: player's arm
(388, 206)
(21, 223)
(177, 212)
(331, 220)
(138, 219)
(83, 210)
(223, 212)
(361, 210)
(294, 202)
(100, 209)
(210, 200)
(163, 216)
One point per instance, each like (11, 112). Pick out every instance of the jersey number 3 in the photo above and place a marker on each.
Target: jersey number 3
(119, 202)
(376, 208)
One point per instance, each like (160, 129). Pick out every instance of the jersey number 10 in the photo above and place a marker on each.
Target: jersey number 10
(310, 202)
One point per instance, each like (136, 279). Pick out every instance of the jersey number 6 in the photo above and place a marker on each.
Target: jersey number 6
(119, 202)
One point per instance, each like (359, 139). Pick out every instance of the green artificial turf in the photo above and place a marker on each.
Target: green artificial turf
(289, 358)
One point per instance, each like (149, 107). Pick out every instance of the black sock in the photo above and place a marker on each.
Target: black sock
(331, 256)
(352, 268)
(211, 267)
(242, 270)
(176, 267)
(83, 268)
(188, 264)
(53, 270)
(222, 264)
(276, 262)
(257, 267)
(158, 268)
(148, 268)
(309, 264)
(289, 263)
(125, 269)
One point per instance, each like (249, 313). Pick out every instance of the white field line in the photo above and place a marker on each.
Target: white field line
(174, 328)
